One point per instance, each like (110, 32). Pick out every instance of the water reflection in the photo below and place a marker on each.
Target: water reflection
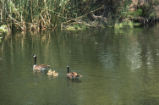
(117, 68)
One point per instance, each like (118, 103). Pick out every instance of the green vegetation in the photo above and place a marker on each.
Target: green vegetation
(135, 13)
(3, 29)
(36, 15)
(76, 27)
(126, 24)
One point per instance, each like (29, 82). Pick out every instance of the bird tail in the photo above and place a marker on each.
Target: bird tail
(79, 75)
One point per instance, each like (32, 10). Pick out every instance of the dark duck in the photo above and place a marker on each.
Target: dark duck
(40, 67)
(72, 75)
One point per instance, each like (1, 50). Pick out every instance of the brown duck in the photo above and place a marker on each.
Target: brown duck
(40, 67)
(72, 75)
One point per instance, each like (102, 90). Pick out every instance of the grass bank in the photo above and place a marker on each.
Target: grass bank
(39, 15)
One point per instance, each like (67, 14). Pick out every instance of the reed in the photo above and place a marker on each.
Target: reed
(48, 14)
(35, 14)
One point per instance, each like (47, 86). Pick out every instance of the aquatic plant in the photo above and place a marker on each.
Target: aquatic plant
(36, 15)
(3, 29)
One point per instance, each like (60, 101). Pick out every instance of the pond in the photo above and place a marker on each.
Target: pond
(119, 67)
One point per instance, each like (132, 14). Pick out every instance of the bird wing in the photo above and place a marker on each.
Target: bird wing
(43, 66)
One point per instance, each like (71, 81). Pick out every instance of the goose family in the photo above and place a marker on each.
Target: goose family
(47, 69)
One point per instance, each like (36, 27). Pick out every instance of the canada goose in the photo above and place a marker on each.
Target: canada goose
(40, 67)
(72, 75)
(52, 73)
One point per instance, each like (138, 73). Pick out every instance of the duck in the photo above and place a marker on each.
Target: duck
(40, 67)
(52, 73)
(72, 75)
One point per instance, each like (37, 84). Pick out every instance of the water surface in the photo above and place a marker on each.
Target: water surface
(118, 68)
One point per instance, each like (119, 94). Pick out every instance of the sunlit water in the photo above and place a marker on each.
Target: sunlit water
(119, 68)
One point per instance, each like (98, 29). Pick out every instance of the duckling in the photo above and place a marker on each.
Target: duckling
(40, 67)
(52, 73)
(49, 73)
(55, 74)
(72, 75)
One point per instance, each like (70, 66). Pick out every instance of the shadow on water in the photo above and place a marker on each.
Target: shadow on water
(119, 68)
(74, 80)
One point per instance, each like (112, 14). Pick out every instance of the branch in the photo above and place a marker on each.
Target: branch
(74, 19)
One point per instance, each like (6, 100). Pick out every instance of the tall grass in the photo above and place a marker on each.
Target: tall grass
(36, 14)
(44, 14)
